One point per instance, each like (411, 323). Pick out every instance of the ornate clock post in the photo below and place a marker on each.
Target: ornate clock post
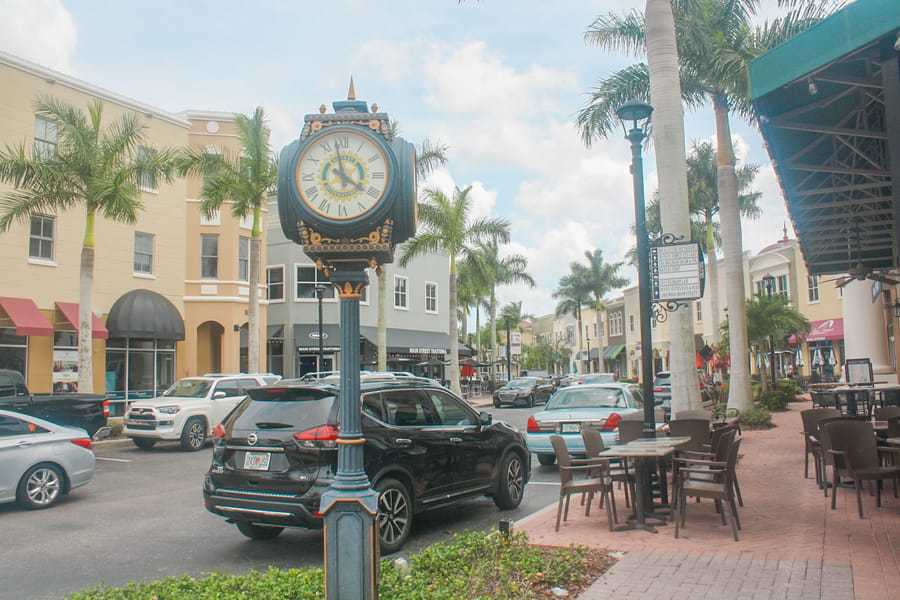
(346, 193)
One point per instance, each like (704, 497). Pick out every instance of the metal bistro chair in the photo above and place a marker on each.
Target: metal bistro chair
(568, 485)
(855, 455)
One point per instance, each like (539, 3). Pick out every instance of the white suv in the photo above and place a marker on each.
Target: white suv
(187, 411)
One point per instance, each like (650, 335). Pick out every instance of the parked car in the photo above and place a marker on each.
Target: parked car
(591, 405)
(595, 378)
(425, 448)
(187, 411)
(87, 411)
(523, 390)
(662, 392)
(41, 461)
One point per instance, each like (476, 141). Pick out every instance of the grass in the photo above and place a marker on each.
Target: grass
(475, 565)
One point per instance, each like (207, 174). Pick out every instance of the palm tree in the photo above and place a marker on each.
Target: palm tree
(471, 294)
(704, 204)
(242, 179)
(446, 227)
(513, 312)
(573, 294)
(95, 168)
(770, 318)
(495, 271)
(429, 156)
(601, 278)
(715, 45)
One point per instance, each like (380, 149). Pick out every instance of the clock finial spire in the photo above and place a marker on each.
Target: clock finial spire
(351, 93)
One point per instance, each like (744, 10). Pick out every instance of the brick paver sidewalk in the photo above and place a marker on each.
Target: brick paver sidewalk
(792, 544)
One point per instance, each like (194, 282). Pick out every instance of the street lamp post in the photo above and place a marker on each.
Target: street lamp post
(320, 289)
(588, 340)
(508, 357)
(769, 282)
(635, 115)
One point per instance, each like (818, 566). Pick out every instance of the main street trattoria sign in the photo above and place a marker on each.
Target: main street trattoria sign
(677, 272)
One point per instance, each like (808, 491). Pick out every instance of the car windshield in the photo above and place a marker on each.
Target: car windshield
(519, 383)
(189, 388)
(587, 397)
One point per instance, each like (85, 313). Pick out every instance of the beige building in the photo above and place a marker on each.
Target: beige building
(170, 291)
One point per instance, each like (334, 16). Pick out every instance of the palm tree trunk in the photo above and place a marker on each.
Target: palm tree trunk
(253, 326)
(739, 393)
(478, 332)
(712, 280)
(454, 334)
(85, 323)
(381, 339)
(495, 358)
(668, 137)
(600, 345)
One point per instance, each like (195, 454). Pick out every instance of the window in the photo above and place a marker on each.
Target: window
(275, 283)
(143, 252)
(699, 311)
(146, 178)
(631, 322)
(40, 242)
(46, 137)
(243, 259)
(781, 286)
(616, 323)
(400, 298)
(307, 279)
(812, 286)
(209, 256)
(430, 297)
(213, 219)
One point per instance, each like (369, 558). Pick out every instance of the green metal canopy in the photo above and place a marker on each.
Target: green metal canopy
(829, 106)
(611, 352)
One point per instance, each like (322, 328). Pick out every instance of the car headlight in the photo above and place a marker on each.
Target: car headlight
(169, 410)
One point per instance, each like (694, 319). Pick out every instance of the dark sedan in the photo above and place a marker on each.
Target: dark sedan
(523, 390)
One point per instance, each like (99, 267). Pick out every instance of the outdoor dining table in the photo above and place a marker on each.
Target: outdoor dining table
(642, 450)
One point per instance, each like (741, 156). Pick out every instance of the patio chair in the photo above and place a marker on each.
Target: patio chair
(826, 459)
(709, 479)
(630, 430)
(695, 414)
(618, 469)
(719, 453)
(886, 413)
(568, 484)
(855, 455)
(812, 445)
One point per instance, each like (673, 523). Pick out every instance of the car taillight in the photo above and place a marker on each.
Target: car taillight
(83, 442)
(106, 409)
(532, 426)
(659, 389)
(612, 422)
(218, 431)
(323, 436)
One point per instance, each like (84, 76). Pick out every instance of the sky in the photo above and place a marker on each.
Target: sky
(498, 81)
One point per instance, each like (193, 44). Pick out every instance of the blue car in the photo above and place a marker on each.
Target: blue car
(588, 406)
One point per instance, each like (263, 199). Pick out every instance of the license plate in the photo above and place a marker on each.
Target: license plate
(571, 428)
(257, 461)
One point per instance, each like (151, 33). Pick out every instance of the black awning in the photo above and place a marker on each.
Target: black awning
(144, 314)
(409, 341)
(306, 337)
(275, 332)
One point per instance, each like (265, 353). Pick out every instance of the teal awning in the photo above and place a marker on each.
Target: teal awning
(611, 352)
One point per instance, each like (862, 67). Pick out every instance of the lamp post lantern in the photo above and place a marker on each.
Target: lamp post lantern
(635, 115)
(320, 289)
(769, 282)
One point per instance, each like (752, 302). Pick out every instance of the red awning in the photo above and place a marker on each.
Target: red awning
(827, 329)
(70, 312)
(25, 315)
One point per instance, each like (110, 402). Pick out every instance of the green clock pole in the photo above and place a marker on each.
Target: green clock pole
(350, 505)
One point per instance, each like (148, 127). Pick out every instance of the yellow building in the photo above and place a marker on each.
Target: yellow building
(170, 292)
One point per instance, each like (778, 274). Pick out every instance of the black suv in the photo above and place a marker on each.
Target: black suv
(276, 453)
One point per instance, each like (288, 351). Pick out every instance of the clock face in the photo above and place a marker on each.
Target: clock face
(342, 175)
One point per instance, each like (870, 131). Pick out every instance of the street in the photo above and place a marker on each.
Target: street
(142, 518)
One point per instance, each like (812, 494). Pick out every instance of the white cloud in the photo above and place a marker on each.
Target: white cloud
(42, 31)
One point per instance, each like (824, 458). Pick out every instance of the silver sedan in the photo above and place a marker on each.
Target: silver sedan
(41, 461)
(587, 406)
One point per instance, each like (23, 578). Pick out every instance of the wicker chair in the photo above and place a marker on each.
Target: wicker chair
(812, 444)
(598, 481)
(618, 469)
(709, 479)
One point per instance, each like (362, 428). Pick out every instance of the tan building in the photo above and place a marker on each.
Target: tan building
(170, 291)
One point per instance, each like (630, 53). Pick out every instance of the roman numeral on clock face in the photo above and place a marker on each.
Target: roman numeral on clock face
(373, 192)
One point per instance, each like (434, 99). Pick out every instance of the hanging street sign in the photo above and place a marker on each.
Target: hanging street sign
(677, 272)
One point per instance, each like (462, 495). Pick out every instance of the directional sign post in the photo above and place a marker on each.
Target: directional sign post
(677, 272)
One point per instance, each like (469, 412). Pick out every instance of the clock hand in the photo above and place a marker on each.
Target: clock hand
(342, 175)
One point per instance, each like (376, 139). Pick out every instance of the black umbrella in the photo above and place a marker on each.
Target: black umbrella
(469, 362)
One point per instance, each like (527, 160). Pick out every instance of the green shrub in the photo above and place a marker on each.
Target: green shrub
(773, 400)
(475, 565)
(789, 388)
(757, 417)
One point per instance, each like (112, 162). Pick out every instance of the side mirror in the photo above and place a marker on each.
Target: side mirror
(217, 395)
(485, 419)
(102, 433)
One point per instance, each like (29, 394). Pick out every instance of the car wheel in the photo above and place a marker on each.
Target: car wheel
(143, 443)
(511, 482)
(40, 487)
(193, 436)
(546, 459)
(497, 404)
(394, 518)
(258, 532)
